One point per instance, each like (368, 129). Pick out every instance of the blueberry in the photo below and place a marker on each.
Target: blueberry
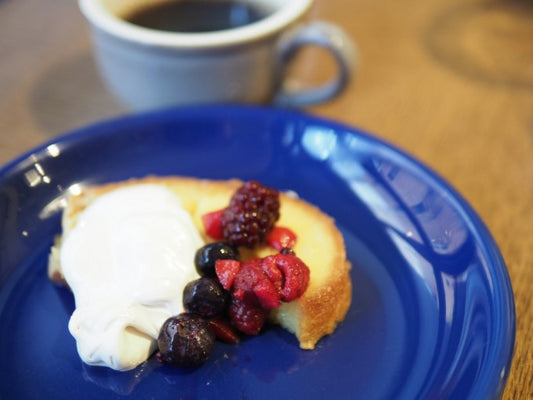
(287, 250)
(205, 297)
(186, 340)
(206, 257)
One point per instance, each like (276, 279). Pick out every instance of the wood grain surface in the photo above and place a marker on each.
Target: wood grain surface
(449, 81)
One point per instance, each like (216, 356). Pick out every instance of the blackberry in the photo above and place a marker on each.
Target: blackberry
(251, 214)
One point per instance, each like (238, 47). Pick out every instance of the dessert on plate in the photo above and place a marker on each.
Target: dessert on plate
(128, 251)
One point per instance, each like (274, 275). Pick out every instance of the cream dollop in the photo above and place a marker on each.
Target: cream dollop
(127, 261)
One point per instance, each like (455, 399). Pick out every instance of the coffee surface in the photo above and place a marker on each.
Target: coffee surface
(196, 15)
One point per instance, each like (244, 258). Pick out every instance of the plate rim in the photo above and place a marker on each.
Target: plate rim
(505, 302)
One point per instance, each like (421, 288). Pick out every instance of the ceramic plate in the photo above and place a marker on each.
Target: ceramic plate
(432, 314)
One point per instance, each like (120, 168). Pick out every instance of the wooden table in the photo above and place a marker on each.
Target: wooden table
(450, 81)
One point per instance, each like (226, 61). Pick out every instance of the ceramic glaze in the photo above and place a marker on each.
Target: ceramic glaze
(149, 68)
(432, 314)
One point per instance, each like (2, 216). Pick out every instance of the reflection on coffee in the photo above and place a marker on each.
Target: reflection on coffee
(197, 15)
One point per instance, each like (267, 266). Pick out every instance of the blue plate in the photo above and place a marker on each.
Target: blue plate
(432, 315)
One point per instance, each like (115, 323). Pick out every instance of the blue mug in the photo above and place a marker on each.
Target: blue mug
(150, 68)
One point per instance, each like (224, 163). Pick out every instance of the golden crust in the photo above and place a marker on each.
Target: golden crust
(320, 245)
(323, 309)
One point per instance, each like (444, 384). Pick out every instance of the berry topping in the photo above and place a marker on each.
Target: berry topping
(251, 214)
(186, 340)
(212, 225)
(277, 277)
(205, 297)
(267, 294)
(226, 271)
(224, 331)
(296, 276)
(261, 283)
(272, 272)
(207, 256)
(287, 250)
(234, 296)
(281, 238)
(248, 276)
(247, 317)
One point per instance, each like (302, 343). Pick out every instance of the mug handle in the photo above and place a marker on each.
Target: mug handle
(329, 37)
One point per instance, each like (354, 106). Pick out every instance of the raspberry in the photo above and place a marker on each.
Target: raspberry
(212, 224)
(259, 285)
(272, 272)
(247, 317)
(281, 238)
(267, 294)
(224, 331)
(296, 275)
(267, 281)
(226, 271)
(258, 282)
(249, 275)
(251, 214)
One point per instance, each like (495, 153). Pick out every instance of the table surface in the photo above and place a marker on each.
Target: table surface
(449, 81)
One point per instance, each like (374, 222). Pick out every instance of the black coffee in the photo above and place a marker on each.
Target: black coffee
(197, 15)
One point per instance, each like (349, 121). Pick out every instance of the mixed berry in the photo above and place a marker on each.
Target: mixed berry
(233, 296)
(206, 257)
(205, 297)
(252, 212)
(185, 340)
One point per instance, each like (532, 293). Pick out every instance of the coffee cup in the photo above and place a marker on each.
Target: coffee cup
(241, 57)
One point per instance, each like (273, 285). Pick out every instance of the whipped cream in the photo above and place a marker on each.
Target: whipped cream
(127, 261)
